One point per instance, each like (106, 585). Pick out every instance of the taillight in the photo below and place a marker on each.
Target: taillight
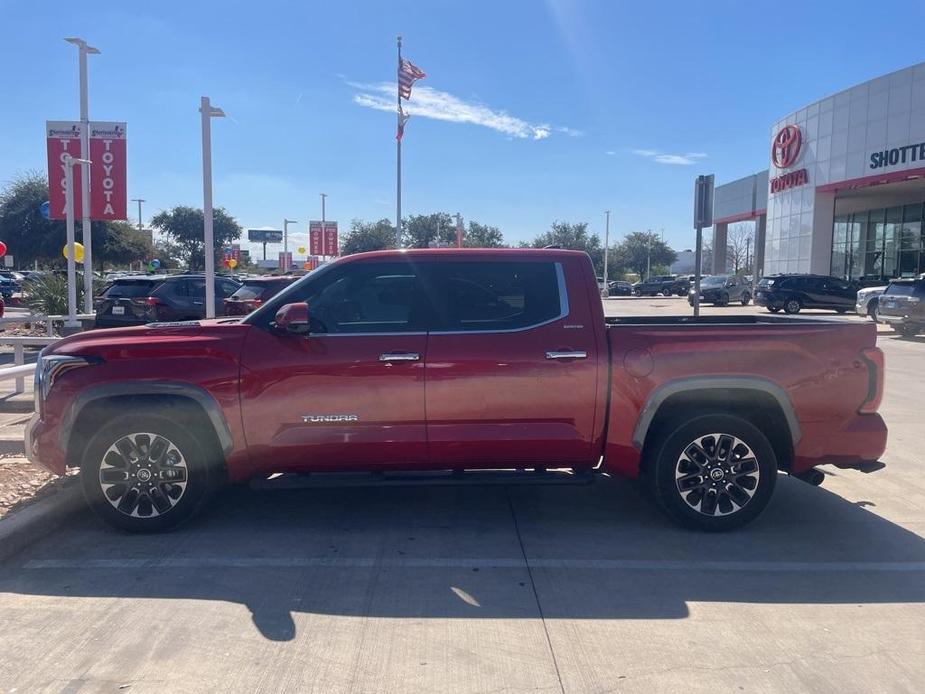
(152, 301)
(255, 302)
(873, 357)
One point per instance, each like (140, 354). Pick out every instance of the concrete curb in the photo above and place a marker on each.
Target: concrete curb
(34, 522)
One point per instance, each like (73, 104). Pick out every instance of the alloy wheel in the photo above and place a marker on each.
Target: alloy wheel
(717, 474)
(143, 475)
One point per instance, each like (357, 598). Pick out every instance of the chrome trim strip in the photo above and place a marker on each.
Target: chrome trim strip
(572, 354)
(399, 356)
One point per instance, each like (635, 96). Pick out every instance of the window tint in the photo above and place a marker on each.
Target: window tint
(900, 289)
(225, 287)
(367, 298)
(495, 296)
(129, 290)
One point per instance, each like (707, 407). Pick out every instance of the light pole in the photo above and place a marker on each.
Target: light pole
(606, 290)
(69, 162)
(207, 113)
(648, 254)
(324, 232)
(84, 50)
(286, 223)
(139, 201)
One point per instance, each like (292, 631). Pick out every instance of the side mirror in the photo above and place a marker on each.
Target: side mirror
(730, 283)
(293, 318)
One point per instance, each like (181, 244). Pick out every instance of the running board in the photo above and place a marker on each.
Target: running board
(318, 480)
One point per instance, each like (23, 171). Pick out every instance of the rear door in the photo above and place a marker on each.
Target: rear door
(350, 395)
(838, 294)
(511, 372)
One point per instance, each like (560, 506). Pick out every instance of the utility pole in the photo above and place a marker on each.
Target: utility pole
(459, 230)
(648, 254)
(324, 232)
(83, 51)
(606, 290)
(286, 223)
(207, 113)
(139, 201)
(69, 162)
(748, 246)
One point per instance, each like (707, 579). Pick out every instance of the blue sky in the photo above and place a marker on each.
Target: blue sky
(556, 110)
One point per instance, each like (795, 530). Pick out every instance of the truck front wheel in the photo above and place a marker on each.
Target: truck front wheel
(714, 472)
(144, 473)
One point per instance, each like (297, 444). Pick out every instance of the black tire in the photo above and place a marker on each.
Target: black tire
(873, 311)
(111, 473)
(906, 329)
(722, 299)
(792, 306)
(637, 292)
(666, 292)
(733, 499)
(746, 299)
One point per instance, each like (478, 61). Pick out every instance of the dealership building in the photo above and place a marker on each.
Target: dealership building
(845, 189)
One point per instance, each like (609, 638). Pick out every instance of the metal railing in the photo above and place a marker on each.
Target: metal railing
(20, 370)
(49, 321)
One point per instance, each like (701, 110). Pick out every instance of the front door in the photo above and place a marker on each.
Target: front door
(512, 371)
(350, 394)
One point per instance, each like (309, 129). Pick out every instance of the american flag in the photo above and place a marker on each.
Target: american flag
(408, 74)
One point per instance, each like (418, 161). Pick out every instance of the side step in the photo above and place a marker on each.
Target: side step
(318, 480)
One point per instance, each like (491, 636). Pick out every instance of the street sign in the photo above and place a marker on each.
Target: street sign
(322, 240)
(703, 201)
(264, 235)
(108, 197)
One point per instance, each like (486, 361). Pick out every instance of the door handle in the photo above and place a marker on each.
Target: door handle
(399, 356)
(567, 354)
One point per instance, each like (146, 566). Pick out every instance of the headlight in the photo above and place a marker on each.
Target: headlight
(49, 369)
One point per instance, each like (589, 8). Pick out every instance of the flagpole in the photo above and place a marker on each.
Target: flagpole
(398, 159)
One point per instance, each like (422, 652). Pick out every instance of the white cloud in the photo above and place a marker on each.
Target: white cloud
(677, 159)
(610, 153)
(427, 102)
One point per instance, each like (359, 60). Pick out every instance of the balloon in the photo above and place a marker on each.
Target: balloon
(232, 263)
(301, 250)
(226, 262)
(78, 252)
(155, 263)
(2, 249)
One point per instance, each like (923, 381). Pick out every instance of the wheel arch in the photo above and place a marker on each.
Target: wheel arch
(759, 401)
(181, 401)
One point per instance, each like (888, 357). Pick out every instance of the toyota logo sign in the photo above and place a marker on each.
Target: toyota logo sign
(786, 146)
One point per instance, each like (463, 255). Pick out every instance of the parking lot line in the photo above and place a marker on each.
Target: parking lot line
(466, 563)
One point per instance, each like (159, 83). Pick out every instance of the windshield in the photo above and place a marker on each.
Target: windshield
(713, 281)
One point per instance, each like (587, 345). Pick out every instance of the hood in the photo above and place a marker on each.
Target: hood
(221, 335)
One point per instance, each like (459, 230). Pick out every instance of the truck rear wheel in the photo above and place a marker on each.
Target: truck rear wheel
(144, 473)
(714, 472)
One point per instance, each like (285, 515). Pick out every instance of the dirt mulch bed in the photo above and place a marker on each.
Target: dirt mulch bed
(22, 484)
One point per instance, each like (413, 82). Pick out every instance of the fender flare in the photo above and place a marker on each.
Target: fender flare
(699, 383)
(176, 389)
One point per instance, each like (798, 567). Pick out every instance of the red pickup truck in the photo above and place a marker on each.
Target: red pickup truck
(451, 363)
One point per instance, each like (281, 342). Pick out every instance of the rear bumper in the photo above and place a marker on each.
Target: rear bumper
(768, 301)
(859, 442)
(42, 446)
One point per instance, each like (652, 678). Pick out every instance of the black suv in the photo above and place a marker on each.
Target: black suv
(666, 285)
(792, 293)
(177, 298)
(902, 306)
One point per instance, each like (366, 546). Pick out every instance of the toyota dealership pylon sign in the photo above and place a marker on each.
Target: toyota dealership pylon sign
(108, 186)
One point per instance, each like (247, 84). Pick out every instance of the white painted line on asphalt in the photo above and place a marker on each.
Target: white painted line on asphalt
(468, 563)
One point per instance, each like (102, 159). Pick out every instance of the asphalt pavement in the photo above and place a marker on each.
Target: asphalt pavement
(487, 589)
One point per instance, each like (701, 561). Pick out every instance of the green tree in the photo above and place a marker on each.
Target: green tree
(184, 226)
(122, 244)
(642, 250)
(483, 236)
(573, 237)
(169, 253)
(423, 230)
(368, 236)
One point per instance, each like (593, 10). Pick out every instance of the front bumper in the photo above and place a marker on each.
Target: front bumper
(42, 447)
(861, 309)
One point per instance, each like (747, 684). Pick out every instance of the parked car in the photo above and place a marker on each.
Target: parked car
(8, 287)
(329, 376)
(253, 292)
(793, 293)
(666, 285)
(150, 299)
(902, 306)
(123, 302)
(868, 302)
(620, 288)
(722, 289)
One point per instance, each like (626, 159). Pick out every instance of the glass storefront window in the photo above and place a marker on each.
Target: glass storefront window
(879, 244)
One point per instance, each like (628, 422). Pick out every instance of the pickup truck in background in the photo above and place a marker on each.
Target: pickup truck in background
(448, 363)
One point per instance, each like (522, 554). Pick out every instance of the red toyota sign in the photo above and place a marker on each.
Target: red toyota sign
(108, 198)
(62, 137)
(315, 239)
(330, 238)
(785, 149)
